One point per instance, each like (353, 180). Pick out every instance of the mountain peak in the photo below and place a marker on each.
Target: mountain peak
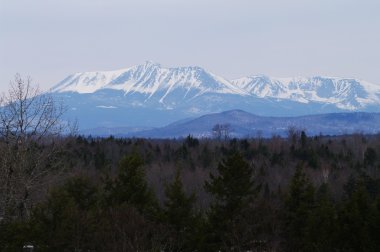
(167, 86)
(173, 86)
(150, 63)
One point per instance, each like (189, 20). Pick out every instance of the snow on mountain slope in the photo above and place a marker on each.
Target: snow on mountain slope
(150, 78)
(348, 94)
(88, 82)
(197, 88)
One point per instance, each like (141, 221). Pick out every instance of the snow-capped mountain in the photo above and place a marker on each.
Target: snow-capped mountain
(152, 80)
(348, 94)
(151, 95)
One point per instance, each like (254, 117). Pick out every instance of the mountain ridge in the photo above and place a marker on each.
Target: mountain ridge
(150, 78)
(152, 95)
(243, 124)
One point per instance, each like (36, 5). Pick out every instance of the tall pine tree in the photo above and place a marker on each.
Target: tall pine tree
(180, 214)
(130, 186)
(299, 204)
(322, 226)
(234, 191)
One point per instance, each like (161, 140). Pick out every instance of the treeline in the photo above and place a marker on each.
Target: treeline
(281, 194)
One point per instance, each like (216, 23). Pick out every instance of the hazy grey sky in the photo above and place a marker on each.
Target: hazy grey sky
(49, 39)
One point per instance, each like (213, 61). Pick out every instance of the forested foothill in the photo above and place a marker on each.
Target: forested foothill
(63, 192)
(281, 194)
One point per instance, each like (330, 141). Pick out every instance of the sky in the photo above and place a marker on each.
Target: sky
(50, 39)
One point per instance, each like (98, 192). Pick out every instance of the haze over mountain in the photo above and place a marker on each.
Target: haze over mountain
(243, 124)
(150, 95)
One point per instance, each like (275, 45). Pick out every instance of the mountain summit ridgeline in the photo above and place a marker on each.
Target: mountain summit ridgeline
(149, 94)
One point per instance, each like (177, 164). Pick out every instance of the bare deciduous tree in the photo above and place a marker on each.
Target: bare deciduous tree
(220, 131)
(30, 125)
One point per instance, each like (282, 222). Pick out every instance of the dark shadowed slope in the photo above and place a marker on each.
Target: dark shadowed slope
(243, 124)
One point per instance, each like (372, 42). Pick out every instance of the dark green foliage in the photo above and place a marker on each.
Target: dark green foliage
(303, 140)
(130, 186)
(234, 191)
(263, 149)
(13, 235)
(205, 156)
(356, 217)
(182, 152)
(319, 194)
(233, 187)
(124, 228)
(299, 204)
(179, 208)
(180, 214)
(277, 158)
(370, 156)
(191, 141)
(67, 219)
(322, 225)
(375, 225)
(100, 161)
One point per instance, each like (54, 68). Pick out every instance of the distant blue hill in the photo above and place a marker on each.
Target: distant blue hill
(243, 124)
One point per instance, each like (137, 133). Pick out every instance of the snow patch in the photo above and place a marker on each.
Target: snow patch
(106, 107)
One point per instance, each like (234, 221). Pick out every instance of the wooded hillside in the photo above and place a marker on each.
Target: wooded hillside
(279, 194)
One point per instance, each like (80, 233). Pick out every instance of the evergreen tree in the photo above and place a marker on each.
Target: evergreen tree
(130, 186)
(355, 219)
(369, 156)
(233, 190)
(322, 226)
(180, 214)
(375, 226)
(298, 206)
(66, 221)
(303, 140)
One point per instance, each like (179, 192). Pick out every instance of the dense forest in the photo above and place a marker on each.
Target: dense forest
(297, 193)
(64, 192)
